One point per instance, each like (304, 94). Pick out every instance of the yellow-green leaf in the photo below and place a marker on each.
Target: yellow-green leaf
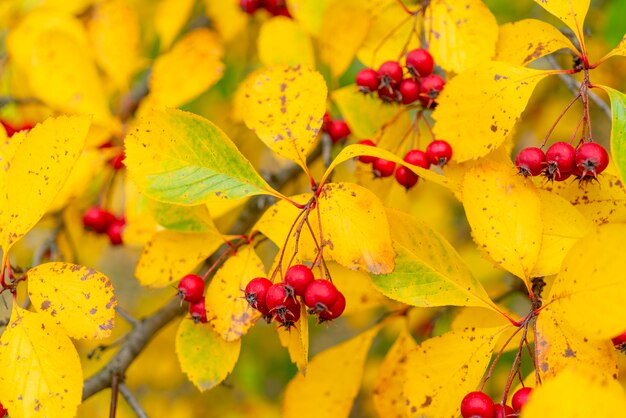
(169, 255)
(171, 16)
(183, 218)
(41, 164)
(589, 292)
(178, 157)
(460, 34)
(491, 110)
(227, 310)
(41, 372)
(570, 12)
(618, 129)
(504, 212)
(442, 370)
(296, 340)
(332, 381)
(620, 49)
(192, 66)
(203, 355)
(309, 13)
(524, 41)
(284, 106)
(282, 41)
(78, 298)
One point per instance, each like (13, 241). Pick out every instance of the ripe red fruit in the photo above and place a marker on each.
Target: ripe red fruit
(390, 73)
(406, 177)
(439, 152)
(367, 80)
(560, 158)
(256, 292)
(591, 160)
(279, 295)
(3, 411)
(520, 398)
(417, 157)
(388, 94)
(383, 168)
(114, 231)
(409, 91)
(366, 158)
(249, 6)
(338, 130)
(320, 295)
(97, 219)
(430, 87)
(276, 7)
(335, 310)
(619, 340)
(558, 176)
(530, 161)
(198, 311)
(327, 119)
(503, 411)
(299, 277)
(477, 405)
(419, 62)
(191, 288)
(117, 162)
(289, 315)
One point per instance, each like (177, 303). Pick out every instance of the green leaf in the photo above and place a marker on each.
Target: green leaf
(183, 218)
(618, 129)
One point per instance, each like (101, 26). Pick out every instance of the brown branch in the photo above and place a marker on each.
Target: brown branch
(132, 401)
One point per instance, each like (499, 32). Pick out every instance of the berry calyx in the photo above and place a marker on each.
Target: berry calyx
(530, 161)
(619, 341)
(520, 398)
(338, 130)
(383, 168)
(279, 295)
(367, 80)
(288, 316)
(366, 158)
(388, 94)
(191, 288)
(320, 296)
(591, 160)
(560, 158)
(477, 405)
(419, 62)
(114, 231)
(406, 177)
(256, 292)
(197, 310)
(430, 87)
(335, 310)
(299, 277)
(97, 219)
(390, 73)
(503, 411)
(439, 152)
(409, 91)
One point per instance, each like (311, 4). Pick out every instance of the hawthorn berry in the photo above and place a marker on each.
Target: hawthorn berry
(383, 168)
(619, 340)
(409, 91)
(279, 294)
(530, 161)
(191, 288)
(390, 74)
(406, 177)
(276, 7)
(520, 398)
(114, 231)
(320, 295)
(366, 158)
(503, 411)
(327, 119)
(417, 157)
(367, 80)
(477, 405)
(560, 158)
(558, 176)
(430, 87)
(419, 62)
(256, 292)
(198, 311)
(335, 310)
(439, 152)
(338, 130)
(288, 316)
(591, 160)
(98, 219)
(3, 411)
(299, 277)
(249, 6)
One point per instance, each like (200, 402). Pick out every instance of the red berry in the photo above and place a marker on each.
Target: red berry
(520, 398)
(256, 292)
(366, 158)
(276, 7)
(406, 177)
(198, 311)
(619, 340)
(477, 405)
(430, 87)
(114, 231)
(367, 80)
(249, 6)
(409, 91)
(591, 160)
(383, 168)
(279, 295)
(390, 73)
(3, 411)
(530, 161)
(338, 130)
(97, 219)
(503, 411)
(388, 94)
(418, 158)
(335, 310)
(560, 158)
(439, 152)
(419, 62)
(327, 120)
(320, 295)
(558, 176)
(117, 162)
(299, 277)
(191, 288)
(289, 316)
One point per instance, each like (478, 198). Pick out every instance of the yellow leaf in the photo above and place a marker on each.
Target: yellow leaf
(388, 392)
(171, 16)
(524, 41)
(461, 34)
(169, 255)
(183, 218)
(487, 318)
(570, 12)
(592, 276)
(491, 110)
(191, 67)
(282, 41)
(620, 49)
(504, 212)
(67, 6)
(140, 224)
(357, 287)
(37, 171)
(573, 394)
(563, 226)
(309, 13)
(41, 372)
(296, 340)
(204, 357)
(332, 381)
(79, 299)
(227, 16)
(284, 106)
(227, 310)
(442, 370)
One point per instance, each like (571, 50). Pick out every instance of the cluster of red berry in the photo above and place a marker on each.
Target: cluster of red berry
(278, 301)
(191, 289)
(391, 86)
(480, 405)
(437, 152)
(102, 221)
(274, 7)
(337, 129)
(562, 160)
(11, 130)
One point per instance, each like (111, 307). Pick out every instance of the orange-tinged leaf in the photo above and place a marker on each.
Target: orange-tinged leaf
(309, 13)
(227, 309)
(461, 34)
(203, 355)
(504, 212)
(78, 298)
(570, 12)
(189, 68)
(282, 41)
(296, 340)
(171, 16)
(41, 372)
(284, 106)
(589, 292)
(442, 370)
(491, 110)
(524, 41)
(332, 381)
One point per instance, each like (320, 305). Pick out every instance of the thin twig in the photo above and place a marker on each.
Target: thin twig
(132, 401)
(127, 317)
(115, 385)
